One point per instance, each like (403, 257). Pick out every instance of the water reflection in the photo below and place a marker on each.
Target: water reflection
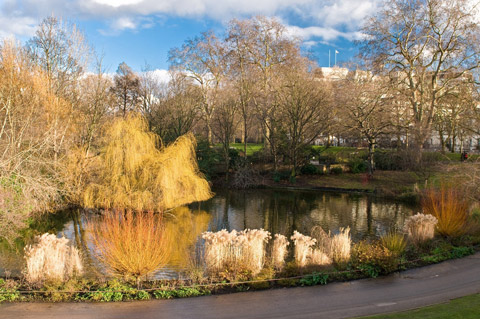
(277, 211)
(285, 211)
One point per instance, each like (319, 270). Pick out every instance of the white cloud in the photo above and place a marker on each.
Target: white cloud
(326, 34)
(118, 3)
(324, 19)
(160, 75)
(350, 13)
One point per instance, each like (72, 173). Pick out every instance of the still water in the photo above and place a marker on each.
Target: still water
(278, 211)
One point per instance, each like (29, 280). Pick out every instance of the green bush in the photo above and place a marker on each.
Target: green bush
(281, 176)
(336, 170)
(309, 169)
(373, 259)
(313, 279)
(8, 291)
(357, 165)
(209, 158)
(327, 158)
(388, 160)
(184, 292)
(112, 291)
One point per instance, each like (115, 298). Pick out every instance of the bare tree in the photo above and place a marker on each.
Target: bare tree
(176, 111)
(304, 110)
(126, 88)
(202, 59)
(225, 123)
(269, 49)
(366, 102)
(95, 104)
(424, 46)
(241, 74)
(62, 52)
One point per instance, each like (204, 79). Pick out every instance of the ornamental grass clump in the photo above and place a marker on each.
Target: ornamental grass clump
(450, 207)
(340, 246)
(130, 245)
(394, 242)
(220, 250)
(279, 251)
(253, 249)
(51, 258)
(303, 248)
(420, 227)
(235, 251)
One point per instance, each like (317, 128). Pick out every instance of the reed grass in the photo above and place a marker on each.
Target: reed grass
(341, 246)
(450, 207)
(420, 227)
(303, 248)
(51, 258)
(279, 251)
(235, 251)
(320, 258)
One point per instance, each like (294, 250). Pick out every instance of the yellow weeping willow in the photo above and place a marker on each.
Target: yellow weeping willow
(136, 174)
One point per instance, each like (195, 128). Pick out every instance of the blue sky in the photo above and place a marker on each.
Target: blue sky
(141, 32)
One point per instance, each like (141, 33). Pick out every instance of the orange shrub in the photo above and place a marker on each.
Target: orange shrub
(450, 207)
(130, 245)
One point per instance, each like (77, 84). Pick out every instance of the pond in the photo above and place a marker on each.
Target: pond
(278, 211)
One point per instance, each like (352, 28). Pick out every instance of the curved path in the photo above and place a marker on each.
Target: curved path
(410, 289)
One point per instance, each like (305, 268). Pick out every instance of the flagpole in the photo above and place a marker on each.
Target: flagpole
(335, 58)
(328, 58)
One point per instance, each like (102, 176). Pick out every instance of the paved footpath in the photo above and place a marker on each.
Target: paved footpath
(406, 290)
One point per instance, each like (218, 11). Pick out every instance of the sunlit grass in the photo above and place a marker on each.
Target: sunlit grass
(251, 147)
(461, 308)
(420, 227)
(51, 258)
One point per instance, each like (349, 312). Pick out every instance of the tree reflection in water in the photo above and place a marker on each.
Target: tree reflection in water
(278, 211)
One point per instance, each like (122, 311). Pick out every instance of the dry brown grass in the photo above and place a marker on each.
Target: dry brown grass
(331, 248)
(130, 245)
(340, 246)
(279, 251)
(450, 207)
(235, 251)
(303, 248)
(420, 227)
(51, 258)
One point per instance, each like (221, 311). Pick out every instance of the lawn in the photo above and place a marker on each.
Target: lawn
(461, 308)
(251, 147)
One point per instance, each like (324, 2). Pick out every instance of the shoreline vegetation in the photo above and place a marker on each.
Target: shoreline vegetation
(115, 290)
(137, 151)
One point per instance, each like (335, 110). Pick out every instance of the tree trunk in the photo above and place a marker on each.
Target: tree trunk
(442, 140)
(245, 138)
(371, 159)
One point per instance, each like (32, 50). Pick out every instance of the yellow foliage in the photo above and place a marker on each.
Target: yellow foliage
(450, 206)
(131, 245)
(183, 229)
(136, 174)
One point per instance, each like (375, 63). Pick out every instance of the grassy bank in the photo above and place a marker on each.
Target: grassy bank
(461, 308)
